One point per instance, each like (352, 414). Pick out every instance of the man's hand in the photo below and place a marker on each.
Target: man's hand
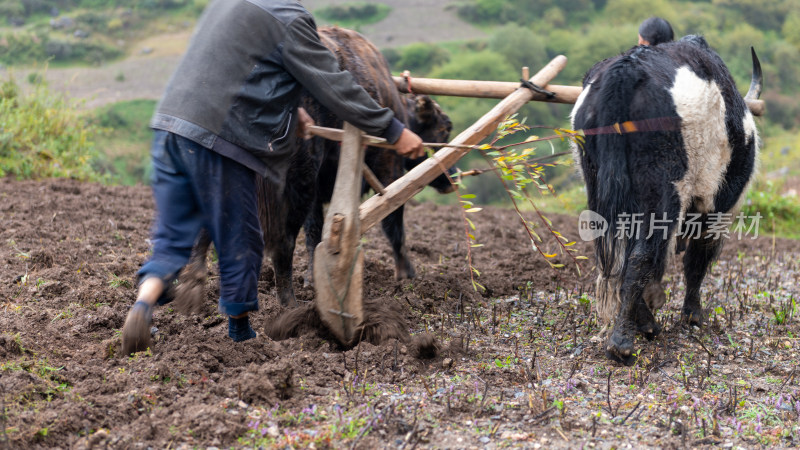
(409, 145)
(304, 121)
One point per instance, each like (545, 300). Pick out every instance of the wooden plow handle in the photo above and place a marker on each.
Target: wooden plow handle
(338, 258)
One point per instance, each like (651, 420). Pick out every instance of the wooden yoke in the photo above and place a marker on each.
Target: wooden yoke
(378, 207)
(501, 89)
(482, 89)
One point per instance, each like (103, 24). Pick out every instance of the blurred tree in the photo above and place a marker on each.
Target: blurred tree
(786, 60)
(635, 11)
(485, 65)
(734, 48)
(762, 14)
(10, 9)
(520, 46)
(420, 57)
(555, 17)
(600, 42)
(791, 28)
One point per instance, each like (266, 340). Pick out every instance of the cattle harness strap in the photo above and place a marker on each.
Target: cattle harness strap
(636, 126)
(535, 88)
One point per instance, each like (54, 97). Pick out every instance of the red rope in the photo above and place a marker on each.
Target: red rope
(407, 76)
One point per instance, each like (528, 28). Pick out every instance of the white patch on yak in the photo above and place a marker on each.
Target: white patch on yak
(700, 105)
(750, 131)
(751, 138)
(579, 103)
(575, 150)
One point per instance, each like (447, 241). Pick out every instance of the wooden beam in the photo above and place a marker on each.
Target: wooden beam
(502, 89)
(482, 89)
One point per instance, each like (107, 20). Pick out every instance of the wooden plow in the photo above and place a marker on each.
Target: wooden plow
(339, 259)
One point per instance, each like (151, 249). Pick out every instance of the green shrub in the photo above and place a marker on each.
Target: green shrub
(42, 136)
(485, 65)
(420, 57)
(22, 48)
(352, 15)
(780, 213)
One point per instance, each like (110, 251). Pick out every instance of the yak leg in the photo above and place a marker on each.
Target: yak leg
(394, 231)
(619, 346)
(189, 294)
(299, 201)
(283, 212)
(388, 167)
(646, 264)
(653, 297)
(282, 255)
(313, 229)
(645, 321)
(699, 255)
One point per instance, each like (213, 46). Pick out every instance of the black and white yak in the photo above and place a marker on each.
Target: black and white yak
(666, 135)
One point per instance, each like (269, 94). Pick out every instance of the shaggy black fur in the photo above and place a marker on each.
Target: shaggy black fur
(636, 172)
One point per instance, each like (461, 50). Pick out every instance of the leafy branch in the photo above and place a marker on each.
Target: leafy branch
(518, 170)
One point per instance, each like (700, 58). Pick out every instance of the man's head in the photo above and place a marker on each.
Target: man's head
(655, 30)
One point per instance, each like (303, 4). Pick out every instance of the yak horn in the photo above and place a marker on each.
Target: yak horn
(756, 82)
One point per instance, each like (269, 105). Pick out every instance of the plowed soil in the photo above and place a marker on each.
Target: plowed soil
(509, 366)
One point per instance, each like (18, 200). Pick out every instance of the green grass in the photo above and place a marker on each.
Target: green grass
(780, 213)
(125, 143)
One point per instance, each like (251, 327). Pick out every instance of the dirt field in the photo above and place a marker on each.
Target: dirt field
(515, 365)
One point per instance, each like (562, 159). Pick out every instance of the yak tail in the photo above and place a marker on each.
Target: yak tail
(611, 194)
(614, 198)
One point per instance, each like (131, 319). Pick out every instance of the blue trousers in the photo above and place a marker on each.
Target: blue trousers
(196, 188)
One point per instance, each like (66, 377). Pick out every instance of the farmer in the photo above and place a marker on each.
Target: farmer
(225, 117)
(654, 31)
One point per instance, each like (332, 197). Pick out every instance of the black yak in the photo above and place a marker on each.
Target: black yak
(283, 210)
(667, 136)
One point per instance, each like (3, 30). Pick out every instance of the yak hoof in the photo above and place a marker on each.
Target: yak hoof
(650, 331)
(620, 347)
(646, 325)
(404, 272)
(288, 300)
(693, 315)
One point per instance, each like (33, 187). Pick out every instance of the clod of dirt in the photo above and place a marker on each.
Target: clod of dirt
(9, 346)
(425, 346)
(41, 259)
(189, 295)
(99, 439)
(382, 323)
(456, 346)
(295, 322)
(266, 384)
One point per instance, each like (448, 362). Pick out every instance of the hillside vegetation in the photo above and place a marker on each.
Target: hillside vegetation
(83, 31)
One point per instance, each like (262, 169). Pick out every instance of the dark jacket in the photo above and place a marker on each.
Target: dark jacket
(240, 80)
